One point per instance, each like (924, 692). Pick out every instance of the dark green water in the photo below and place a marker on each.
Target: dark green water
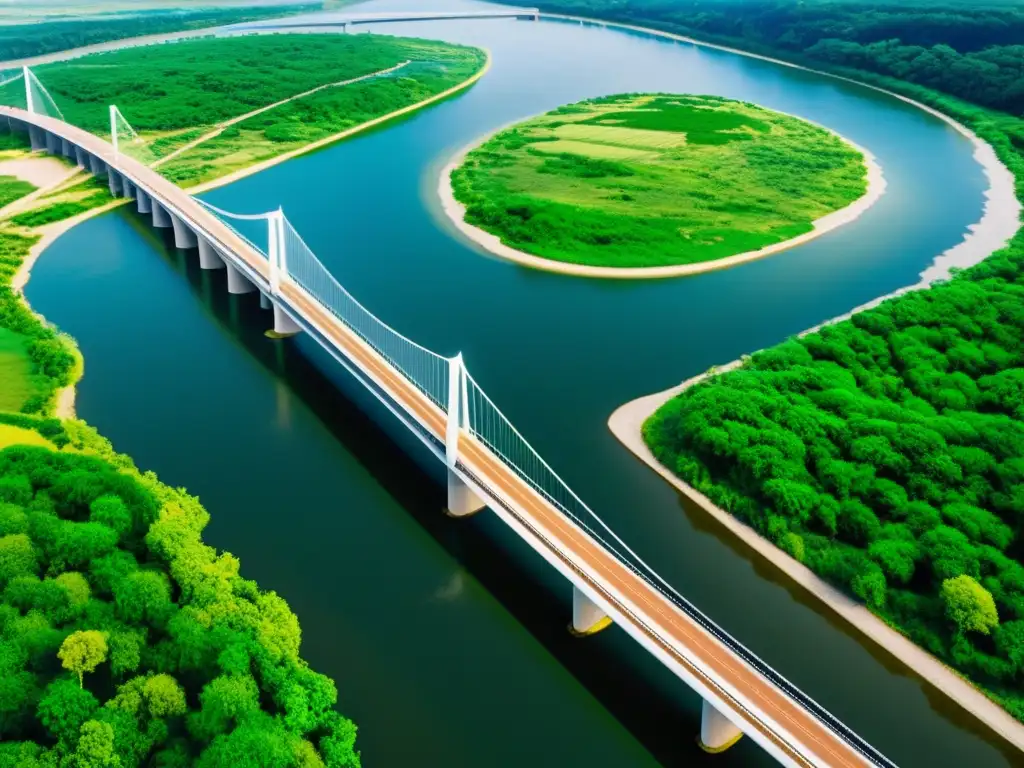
(447, 638)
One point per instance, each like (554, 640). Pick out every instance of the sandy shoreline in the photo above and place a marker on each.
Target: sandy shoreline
(65, 402)
(456, 212)
(625, 424)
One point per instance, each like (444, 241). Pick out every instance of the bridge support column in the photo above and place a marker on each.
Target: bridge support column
(284, 326)
(184, 237)
(129, 190)
(462, 502)
(97, 166)
(36, 137)
(161, 217)
(144, 202)
(717, 733)
(208, 257)
(115, 182)
(265, 302)
(80, 157)
(53, 143)
(587, 617)
(237, 282)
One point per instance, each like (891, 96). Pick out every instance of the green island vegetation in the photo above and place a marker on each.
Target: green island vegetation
(31, 35)
(124, 640)
(646, 180)
(173, 93)
(886, 452)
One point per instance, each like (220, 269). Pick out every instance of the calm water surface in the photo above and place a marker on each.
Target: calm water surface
(447, 638)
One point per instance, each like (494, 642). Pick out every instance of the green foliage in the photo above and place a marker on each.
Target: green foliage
(651, 180)
(206, 81)
(23, 40)
(190, 664)
(39, 217)
(82, 652)
(967, 49)
(907, 421)
(52, 357)
(12, 188)
(969, 605)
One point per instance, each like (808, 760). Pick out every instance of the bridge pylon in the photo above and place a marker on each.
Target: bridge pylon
(462, 500)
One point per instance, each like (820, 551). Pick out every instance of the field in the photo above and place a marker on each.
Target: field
(174, 93)
(657, 179)
(16, 377)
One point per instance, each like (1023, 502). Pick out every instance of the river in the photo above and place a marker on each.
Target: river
(448, 638)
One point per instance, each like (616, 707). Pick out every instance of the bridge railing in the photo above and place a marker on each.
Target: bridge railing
(427, 370)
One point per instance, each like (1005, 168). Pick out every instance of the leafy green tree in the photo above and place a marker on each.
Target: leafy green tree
(164, 697)
(17, 557)
(969, 605)
(64, 707)
(83, 651)
(112, 512)
(95, 747)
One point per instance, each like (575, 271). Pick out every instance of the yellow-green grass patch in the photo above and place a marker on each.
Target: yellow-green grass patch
(629, 137)
(591, 149)
(19, 436)
(17, 382)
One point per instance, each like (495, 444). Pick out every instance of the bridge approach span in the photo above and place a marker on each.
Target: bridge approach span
(488, 462)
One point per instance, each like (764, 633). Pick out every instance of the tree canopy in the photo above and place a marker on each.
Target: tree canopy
(126, 641)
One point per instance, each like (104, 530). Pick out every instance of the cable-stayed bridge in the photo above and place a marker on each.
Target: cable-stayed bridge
(488, 462)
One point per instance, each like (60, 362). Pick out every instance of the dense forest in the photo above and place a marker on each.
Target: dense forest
(974, 50)
(126, 641)
(19, 41)
(886, 452)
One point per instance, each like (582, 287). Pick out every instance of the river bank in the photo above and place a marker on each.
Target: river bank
(456, 213)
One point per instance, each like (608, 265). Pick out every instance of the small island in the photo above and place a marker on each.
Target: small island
(653, 185)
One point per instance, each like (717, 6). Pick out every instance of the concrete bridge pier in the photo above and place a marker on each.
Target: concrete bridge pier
(462, 501)
(717, 733)
(265, 302)
(283, 324)
(36, 137)
(587, 617)
(53, 142)
(237, 282)
(115, 182)
(161, 218)
(65, 148)
(97, 166)
(209, 258)
(81, 157)
(184, 237)
(128, 189)
(143, 202)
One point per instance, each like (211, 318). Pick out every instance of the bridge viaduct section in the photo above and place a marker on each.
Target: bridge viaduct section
(741, 694)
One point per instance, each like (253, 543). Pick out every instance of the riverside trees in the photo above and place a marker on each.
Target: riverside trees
(124, 640)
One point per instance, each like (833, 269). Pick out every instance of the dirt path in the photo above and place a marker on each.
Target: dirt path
(228, 123)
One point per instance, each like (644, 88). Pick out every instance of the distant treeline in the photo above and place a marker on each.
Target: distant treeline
(974, 51)
(19, 41)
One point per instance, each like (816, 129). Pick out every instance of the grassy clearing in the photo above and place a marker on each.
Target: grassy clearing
(20, 436)
(12, 188)
(653, 180)
(17, 381)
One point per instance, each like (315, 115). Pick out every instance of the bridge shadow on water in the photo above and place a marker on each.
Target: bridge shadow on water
(659, 710)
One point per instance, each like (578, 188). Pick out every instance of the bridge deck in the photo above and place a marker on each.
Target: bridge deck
(762, 709)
